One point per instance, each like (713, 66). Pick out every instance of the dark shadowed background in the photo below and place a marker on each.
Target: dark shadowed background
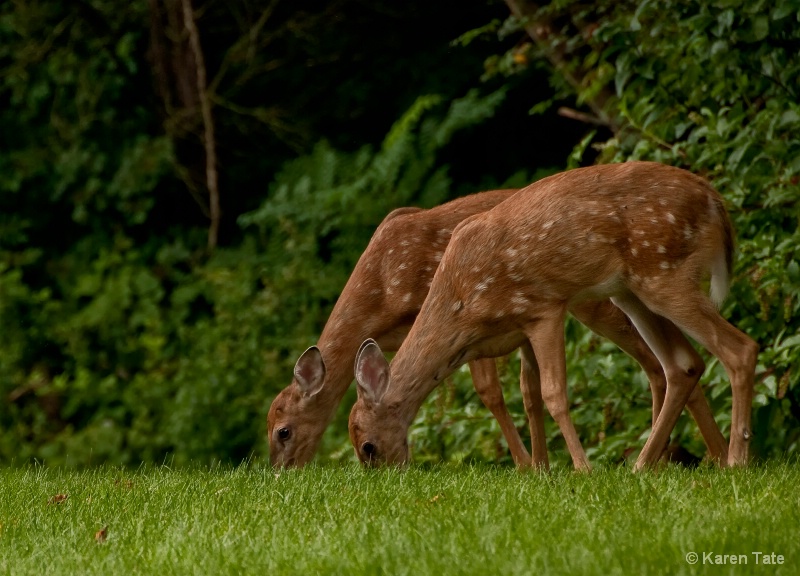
(185, 186)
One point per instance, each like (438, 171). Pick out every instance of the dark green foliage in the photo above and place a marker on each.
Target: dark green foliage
(122, 346)
(712, 87)
(123, 339)
(715, 89)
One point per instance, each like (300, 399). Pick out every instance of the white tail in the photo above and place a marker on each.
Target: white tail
(720, 280)
(640, 233)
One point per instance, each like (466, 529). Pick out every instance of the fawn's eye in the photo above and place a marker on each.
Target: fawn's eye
(284, 434)
(368, 448)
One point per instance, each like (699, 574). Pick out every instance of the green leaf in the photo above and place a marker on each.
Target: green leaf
(541, 107)
(793, 272)
(784, 9)
(736, 156)
(760, 27)
(726, 19)
(410, 119)
(788, 117)
(577, 153)
(790, 342)
(467, 37)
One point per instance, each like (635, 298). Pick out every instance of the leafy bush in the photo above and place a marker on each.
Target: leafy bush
(715, 89)
(712, 88)
(156, 350)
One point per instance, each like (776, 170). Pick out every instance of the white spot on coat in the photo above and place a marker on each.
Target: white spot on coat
(481, 286)
(519, 300)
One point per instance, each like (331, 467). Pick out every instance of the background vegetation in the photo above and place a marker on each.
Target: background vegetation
(187, 185)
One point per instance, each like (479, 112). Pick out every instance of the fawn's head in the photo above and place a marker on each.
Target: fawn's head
(387, 441)
(296, 422)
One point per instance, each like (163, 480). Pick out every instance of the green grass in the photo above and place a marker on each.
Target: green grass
(437, 520)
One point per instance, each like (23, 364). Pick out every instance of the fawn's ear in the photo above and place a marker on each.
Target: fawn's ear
(372, 372)
(309, 372)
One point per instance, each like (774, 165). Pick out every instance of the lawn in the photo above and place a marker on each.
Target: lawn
(433, 520)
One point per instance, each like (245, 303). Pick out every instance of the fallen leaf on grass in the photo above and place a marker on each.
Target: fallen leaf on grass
(100, 535)
(57, 499)
(701, 484)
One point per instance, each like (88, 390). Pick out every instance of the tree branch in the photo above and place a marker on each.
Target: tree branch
(246, 43)
(272, 117)
(539, 27)
(208, 125)
(579, 116)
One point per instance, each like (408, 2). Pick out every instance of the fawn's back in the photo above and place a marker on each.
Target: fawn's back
(586, 233)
